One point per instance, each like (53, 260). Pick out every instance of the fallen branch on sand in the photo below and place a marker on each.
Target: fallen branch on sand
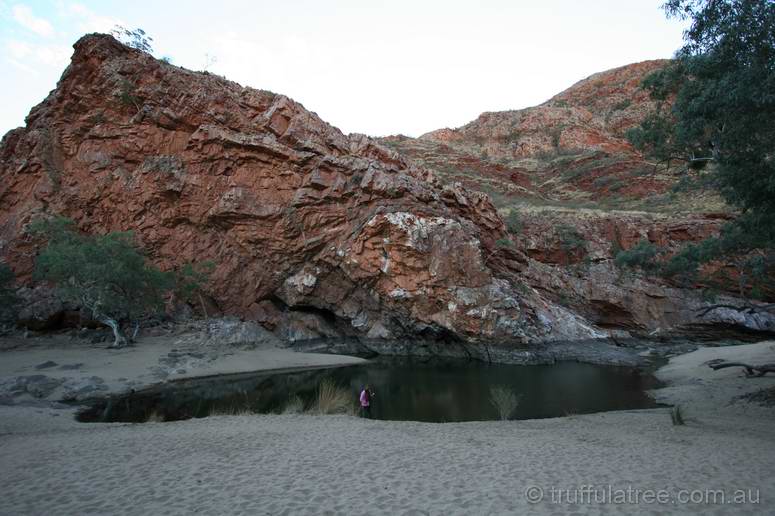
(751, 371)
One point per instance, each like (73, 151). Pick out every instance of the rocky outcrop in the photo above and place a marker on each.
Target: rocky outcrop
(313, 233)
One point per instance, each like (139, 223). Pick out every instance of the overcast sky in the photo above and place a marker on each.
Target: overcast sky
(374, 67)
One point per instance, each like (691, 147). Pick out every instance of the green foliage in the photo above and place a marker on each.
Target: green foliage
(612, 183)
(513, 222)
(126, 96)
(643, 256)
(503, 243)
(7, 292)
(105, 274)
(724, 98)
(191, 279)
(556, 135)
(655, 138)
(722, 82)
(570, 239)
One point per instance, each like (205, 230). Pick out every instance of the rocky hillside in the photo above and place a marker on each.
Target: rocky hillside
(317, 234)
(570, 151)
(313, 233)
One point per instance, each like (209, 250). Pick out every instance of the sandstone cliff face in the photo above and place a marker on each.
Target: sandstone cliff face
(313, 233)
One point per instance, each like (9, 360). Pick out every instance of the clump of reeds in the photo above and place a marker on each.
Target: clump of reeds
(332, 399)
(155, 417)
(233, 410)
(504, 400)
(294, 405)
(676, 416)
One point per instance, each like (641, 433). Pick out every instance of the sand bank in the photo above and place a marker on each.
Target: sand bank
(79, 370)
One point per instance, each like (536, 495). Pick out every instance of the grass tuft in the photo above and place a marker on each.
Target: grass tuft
(504, 400)
(676, 416)
(233, 410)
(294, 405)
(332, 399)
(155, 417)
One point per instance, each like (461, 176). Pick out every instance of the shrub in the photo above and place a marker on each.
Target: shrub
(126, 95)
(642, 256)
(504, 400)
(570, 239)
(513, 222)
(556, 135)
(603, 181)
(616, 185)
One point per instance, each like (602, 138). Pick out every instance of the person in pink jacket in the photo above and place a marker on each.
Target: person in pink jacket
(365, 399)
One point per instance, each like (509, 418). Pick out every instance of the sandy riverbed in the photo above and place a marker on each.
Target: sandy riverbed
(316, 464)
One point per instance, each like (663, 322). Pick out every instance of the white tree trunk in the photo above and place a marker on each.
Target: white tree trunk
(135, 331)
(119, 340)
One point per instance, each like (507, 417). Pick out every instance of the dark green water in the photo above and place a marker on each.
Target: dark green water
(435, 391)
(455, 391)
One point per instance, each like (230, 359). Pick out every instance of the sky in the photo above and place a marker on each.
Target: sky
(365, 66)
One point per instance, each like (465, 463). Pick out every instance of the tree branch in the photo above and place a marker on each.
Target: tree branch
(751, 371)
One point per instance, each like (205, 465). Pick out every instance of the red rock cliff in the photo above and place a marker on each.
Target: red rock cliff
(313, 232)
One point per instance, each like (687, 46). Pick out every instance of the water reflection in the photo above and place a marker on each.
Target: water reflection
(455, 391)
(436, 391)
